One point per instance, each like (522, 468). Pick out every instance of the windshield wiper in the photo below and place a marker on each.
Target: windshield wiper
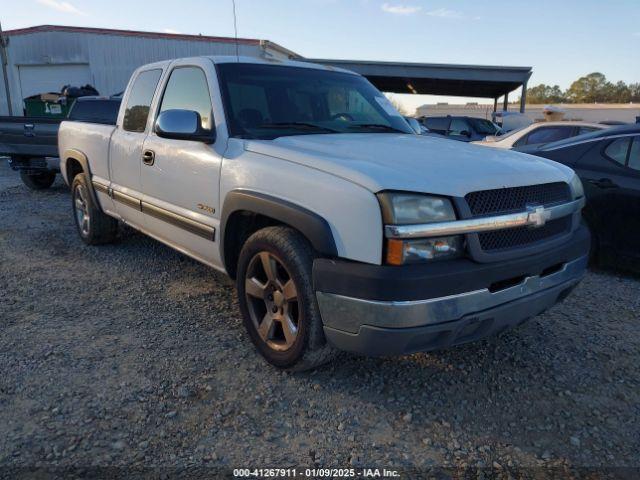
(378, 126)
(297, 125)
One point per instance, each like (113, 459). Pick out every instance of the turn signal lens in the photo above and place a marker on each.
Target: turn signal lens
(394, 251)
(402, 252)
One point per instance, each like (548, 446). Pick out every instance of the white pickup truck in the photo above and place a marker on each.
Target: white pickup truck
(342, 228)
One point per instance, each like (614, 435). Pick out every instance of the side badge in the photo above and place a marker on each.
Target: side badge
(206, 208)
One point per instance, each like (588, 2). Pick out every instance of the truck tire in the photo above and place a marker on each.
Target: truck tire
(38, 181)
(94, 226)
(277, 301)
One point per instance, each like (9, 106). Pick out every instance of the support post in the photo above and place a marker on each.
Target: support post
(495, 104)
(523, 97)
(4, 60)
(505, 103)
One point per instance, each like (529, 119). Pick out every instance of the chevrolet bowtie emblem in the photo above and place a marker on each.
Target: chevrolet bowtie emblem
(538, 216)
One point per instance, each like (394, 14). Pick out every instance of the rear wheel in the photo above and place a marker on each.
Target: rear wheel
(38, 181)
(277, 300)
(94, 226)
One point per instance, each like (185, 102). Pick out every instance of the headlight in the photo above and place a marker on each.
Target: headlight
(577, 190)
(411, 209)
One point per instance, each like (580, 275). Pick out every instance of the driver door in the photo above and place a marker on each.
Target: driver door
(181, 178)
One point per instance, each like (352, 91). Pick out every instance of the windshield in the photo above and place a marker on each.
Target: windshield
(270, 101)
(484, 127)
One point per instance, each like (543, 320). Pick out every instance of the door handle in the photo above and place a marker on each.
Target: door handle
(148, 157)
(604, 183)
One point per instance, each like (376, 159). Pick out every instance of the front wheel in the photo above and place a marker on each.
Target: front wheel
(278, 304)
(38, 181)
(94, 226)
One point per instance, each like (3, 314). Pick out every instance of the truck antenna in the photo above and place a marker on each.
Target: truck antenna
(235, 29)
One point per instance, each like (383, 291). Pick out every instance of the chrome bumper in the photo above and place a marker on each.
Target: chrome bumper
(349, 314)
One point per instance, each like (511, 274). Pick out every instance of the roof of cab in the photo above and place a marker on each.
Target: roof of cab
(218, 59)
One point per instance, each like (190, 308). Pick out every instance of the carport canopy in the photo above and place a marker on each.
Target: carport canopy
(481, 81)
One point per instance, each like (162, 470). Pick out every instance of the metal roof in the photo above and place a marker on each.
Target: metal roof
(487, 81)
(142, 34)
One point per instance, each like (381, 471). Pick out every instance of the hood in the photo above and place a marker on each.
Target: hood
(388, 161)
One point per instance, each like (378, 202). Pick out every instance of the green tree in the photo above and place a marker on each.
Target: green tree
(592, 88)
(619, 93)
(545, 94)
(634, 92)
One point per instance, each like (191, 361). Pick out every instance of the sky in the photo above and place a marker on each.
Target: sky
(561, 39)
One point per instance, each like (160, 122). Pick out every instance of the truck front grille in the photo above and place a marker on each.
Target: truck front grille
(523, 236)
(511, 200)
(516, 199)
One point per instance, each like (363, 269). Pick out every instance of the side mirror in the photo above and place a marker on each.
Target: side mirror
(183, 125)
(465, 133)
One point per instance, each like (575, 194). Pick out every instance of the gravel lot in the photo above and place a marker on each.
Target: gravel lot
(134, 355)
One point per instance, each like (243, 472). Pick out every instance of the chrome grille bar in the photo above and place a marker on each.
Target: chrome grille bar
(534, 217)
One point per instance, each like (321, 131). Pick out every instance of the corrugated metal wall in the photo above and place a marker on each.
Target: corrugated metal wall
(111, 58)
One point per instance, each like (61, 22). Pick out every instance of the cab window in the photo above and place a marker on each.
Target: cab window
(187, 89)
(139, 101)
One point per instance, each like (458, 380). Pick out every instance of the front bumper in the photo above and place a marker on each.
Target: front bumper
(462, 302)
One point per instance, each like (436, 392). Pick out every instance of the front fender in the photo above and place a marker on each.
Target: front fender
(315, 228)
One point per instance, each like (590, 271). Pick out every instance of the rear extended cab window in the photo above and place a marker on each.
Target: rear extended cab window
(95, 111)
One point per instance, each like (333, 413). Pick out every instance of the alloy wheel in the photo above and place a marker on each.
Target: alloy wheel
(81, 207)
(272, 298)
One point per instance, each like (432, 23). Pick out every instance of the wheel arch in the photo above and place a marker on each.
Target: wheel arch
(74, 162)
(259, 209)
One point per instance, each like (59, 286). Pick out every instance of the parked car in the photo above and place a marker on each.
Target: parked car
(608, 162)
(420, 129)
(31, 143)
(341, 227)
(464, 129)
(540, 133)
(509, 121)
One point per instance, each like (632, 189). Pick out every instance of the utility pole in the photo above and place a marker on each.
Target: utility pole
(4, 59)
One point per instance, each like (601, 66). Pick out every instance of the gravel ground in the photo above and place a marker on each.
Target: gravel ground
(134, 355)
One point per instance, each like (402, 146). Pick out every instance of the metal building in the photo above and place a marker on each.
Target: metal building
(44, 58)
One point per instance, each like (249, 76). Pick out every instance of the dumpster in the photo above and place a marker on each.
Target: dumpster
(46, 106)
(56, 104)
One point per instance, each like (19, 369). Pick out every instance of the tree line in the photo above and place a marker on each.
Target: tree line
(592, 88)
